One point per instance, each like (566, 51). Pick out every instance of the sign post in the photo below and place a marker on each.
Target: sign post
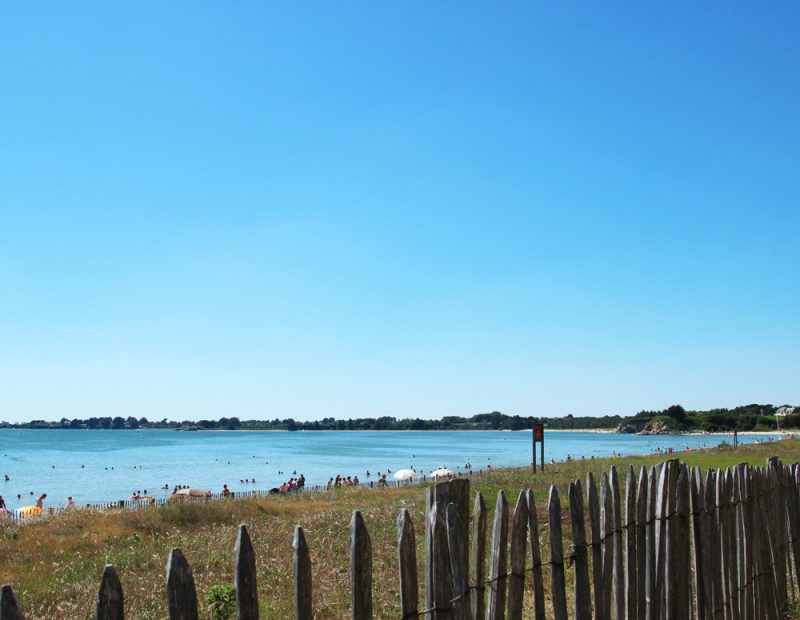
(538, 436)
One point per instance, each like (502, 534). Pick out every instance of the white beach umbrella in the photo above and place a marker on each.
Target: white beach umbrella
(404, 474)
(442, 473)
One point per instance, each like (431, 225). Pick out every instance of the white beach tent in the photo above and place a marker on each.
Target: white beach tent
(442, 473)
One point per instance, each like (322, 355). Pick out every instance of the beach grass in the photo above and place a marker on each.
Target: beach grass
(55, 564)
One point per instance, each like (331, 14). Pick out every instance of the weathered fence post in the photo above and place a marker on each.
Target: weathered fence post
(519, 539)
(792, 517)
(536, 558)
(766, 550)
(670, 549)
(9, 608)
(778, 533)
(630, 545)
(731, 550)
(744, 543)
(617, 571)
(497, 567)
(583, 602)
(110, 601)
(302, 576)
(478, 559)
(597, 558)
(407, 564)
(360, 568)
(662, 512)
(556, 556)
(458, 570)
(181, 593)
(641, 546)
(711, 552)
(607, 545)
(244, 572)
(442, 494)
(702, 569)
(672, 560)
(682, 573)
(442, 590)
(651, 540)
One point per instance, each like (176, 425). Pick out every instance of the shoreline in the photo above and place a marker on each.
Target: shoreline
(599, 431)
(110, 506)
(102, 467)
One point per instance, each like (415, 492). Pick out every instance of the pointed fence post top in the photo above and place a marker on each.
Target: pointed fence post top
(110, 600)
(301, 562)
(357, 522)
(553, 500)
(245, 576)
(181, 593)
(502, 502)
(360, 568)
(9, 608)
(299, 540)
(479, 504)
(576, 494)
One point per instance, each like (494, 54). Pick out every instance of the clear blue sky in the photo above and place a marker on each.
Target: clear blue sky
(413, 209)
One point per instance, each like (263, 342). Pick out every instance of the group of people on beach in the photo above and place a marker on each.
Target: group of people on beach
(341, 481)
(292, 484)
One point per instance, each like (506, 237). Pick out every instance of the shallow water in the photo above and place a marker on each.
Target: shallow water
(105, 465)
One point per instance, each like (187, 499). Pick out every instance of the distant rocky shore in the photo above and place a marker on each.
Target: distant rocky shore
(654, 427)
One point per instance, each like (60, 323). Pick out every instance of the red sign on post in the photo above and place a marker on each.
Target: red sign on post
(538, 432)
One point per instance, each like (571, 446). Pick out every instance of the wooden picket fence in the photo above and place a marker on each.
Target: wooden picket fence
(674, 544)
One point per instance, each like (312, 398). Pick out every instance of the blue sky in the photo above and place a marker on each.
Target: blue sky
(412, 209)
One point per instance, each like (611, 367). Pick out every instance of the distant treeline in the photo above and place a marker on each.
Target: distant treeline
(744, 418)
(675, 418)
(482, 421)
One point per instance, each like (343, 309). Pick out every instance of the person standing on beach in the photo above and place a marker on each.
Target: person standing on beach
(41, 499)
(70, 504)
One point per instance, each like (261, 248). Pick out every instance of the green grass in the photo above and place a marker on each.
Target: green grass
(55, 565)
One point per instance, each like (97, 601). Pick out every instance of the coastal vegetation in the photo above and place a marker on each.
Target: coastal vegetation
(54, 564)
(753, 417)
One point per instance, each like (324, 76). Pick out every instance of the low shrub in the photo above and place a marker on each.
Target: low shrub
(221, 601)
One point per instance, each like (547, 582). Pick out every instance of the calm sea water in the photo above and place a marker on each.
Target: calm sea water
(99, 466)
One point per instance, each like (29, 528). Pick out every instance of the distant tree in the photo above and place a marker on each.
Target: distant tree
(132, 422)
(118, 422)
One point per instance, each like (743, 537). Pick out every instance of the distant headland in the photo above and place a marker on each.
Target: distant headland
(674, 419)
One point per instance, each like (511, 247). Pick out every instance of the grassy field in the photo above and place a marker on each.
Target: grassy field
(55, 565)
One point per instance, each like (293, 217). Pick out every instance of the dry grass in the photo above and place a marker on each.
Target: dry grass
(55, 564)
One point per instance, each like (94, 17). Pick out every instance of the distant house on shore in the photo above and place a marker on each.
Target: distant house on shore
(782, 412)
